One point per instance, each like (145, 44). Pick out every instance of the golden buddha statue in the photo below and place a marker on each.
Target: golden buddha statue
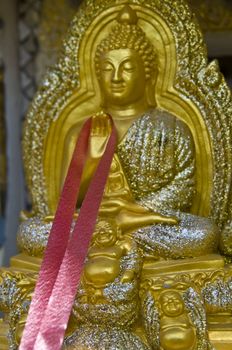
(155, 154)
(153, 267)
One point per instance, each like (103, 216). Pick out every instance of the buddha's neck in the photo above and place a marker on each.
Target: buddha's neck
(125, 116)
(120, 112)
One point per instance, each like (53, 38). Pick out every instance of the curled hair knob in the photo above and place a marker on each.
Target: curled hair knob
(127, 16)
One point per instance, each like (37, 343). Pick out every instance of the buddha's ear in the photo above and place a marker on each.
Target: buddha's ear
(150, 91)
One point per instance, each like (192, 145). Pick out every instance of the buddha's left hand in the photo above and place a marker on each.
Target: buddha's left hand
(114, 206)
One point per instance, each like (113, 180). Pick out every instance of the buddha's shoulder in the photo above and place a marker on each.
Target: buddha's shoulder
(162, 119)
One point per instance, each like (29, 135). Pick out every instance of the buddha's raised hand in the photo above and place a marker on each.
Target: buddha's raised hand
(100, 132)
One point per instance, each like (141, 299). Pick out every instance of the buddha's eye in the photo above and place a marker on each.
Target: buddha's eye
(107, 67)
(128, 66)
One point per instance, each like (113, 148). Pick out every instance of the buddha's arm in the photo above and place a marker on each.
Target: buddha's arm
(178, 193)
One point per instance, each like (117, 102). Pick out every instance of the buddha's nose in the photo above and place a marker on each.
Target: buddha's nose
(117, 76)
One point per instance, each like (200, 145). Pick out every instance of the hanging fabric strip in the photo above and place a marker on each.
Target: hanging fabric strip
(64, 258)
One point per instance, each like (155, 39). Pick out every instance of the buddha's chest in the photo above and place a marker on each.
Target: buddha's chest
(148, 158)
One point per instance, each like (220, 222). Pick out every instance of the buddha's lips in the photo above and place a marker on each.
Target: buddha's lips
(117, 88)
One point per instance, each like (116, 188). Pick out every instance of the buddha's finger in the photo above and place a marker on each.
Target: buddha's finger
(109, 210)
(117, 204)
(49, 218)
(93, 126)
(105, 128)
(101, 125)
(169, 220)
(130, 206)
(98, 127)
(108, 126)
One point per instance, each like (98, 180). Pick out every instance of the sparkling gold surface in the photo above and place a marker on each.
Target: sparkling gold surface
(168, 191)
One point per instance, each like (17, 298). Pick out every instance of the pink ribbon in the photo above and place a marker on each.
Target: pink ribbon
(64, 257)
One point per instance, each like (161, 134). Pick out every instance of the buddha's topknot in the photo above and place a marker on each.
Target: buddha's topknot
(128, 35)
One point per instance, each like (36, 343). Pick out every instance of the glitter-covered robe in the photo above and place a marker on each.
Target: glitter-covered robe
(158, 158)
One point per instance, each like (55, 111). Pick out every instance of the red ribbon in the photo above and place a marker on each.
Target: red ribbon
(64, 257)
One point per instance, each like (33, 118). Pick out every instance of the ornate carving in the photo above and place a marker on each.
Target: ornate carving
(172, 305)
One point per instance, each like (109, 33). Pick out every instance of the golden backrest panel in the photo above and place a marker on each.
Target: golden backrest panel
(186, 87)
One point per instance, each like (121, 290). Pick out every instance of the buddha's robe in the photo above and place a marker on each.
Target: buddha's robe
(158, 158)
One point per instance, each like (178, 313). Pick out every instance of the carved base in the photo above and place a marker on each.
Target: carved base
(200, 270)
(219, 335)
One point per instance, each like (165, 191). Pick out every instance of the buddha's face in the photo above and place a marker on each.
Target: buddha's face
(122, 77)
